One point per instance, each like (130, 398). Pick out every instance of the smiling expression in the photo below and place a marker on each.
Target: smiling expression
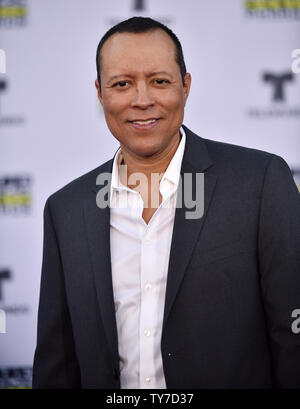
(142, 93)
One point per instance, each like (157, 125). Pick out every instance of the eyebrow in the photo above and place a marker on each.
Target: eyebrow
(152, 74)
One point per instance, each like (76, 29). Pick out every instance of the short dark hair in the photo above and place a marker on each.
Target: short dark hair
(141, 25)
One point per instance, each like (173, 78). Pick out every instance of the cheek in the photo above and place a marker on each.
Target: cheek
(114, 106)
(173, 103)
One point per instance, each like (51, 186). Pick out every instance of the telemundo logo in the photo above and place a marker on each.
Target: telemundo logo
(139, 5)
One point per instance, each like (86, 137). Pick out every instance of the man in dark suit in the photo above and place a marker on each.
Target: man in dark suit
(145, 296)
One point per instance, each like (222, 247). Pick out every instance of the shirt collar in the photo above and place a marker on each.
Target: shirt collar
(172, 172)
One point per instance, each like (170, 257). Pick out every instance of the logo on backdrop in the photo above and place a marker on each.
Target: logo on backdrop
(7, 120)
(275, 9)
(278, 83)
(13, 13)
(296, 174)
(14, 309)
(4, 275)
(139, 5)
(16, 377)
(15, 195)
(280, 89)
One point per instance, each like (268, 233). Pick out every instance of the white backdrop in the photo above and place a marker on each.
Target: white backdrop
(49, 112)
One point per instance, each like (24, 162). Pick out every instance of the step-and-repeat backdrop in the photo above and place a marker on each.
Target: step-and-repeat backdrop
(244, 57)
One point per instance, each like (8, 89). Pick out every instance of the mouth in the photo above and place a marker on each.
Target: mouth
(144, 123)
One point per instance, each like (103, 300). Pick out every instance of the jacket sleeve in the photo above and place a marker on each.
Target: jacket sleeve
(279, 263)
(55, 363)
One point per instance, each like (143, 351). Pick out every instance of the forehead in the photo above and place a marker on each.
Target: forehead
(153, 48)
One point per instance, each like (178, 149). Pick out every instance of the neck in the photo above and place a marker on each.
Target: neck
(156, 163)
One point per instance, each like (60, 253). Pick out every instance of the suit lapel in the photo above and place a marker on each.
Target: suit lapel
(98, 234)
(185, 235)
(186, 231)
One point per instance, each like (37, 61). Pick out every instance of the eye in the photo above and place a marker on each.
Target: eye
(120, 84)
(161, 81)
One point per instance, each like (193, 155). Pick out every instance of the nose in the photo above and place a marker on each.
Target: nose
(143, 97)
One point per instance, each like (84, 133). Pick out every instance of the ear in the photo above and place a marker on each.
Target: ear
(97, 85)
(187, 86)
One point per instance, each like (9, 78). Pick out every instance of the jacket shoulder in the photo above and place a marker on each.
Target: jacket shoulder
(222, 151)
(226, 155)
(77, 188)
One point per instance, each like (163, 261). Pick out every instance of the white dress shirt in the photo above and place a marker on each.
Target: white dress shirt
(139, 259)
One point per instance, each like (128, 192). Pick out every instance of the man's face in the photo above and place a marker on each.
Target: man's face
(142, 93)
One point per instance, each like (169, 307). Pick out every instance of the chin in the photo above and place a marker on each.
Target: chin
(145, 152)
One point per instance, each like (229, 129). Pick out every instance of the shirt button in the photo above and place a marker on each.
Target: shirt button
(148, 286)
(148, 242)
(148, 380)
(147, 332)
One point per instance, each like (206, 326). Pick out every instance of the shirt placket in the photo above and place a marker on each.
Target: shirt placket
(147, 319)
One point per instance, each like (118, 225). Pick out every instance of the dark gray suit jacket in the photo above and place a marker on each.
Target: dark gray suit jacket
(233, 280)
